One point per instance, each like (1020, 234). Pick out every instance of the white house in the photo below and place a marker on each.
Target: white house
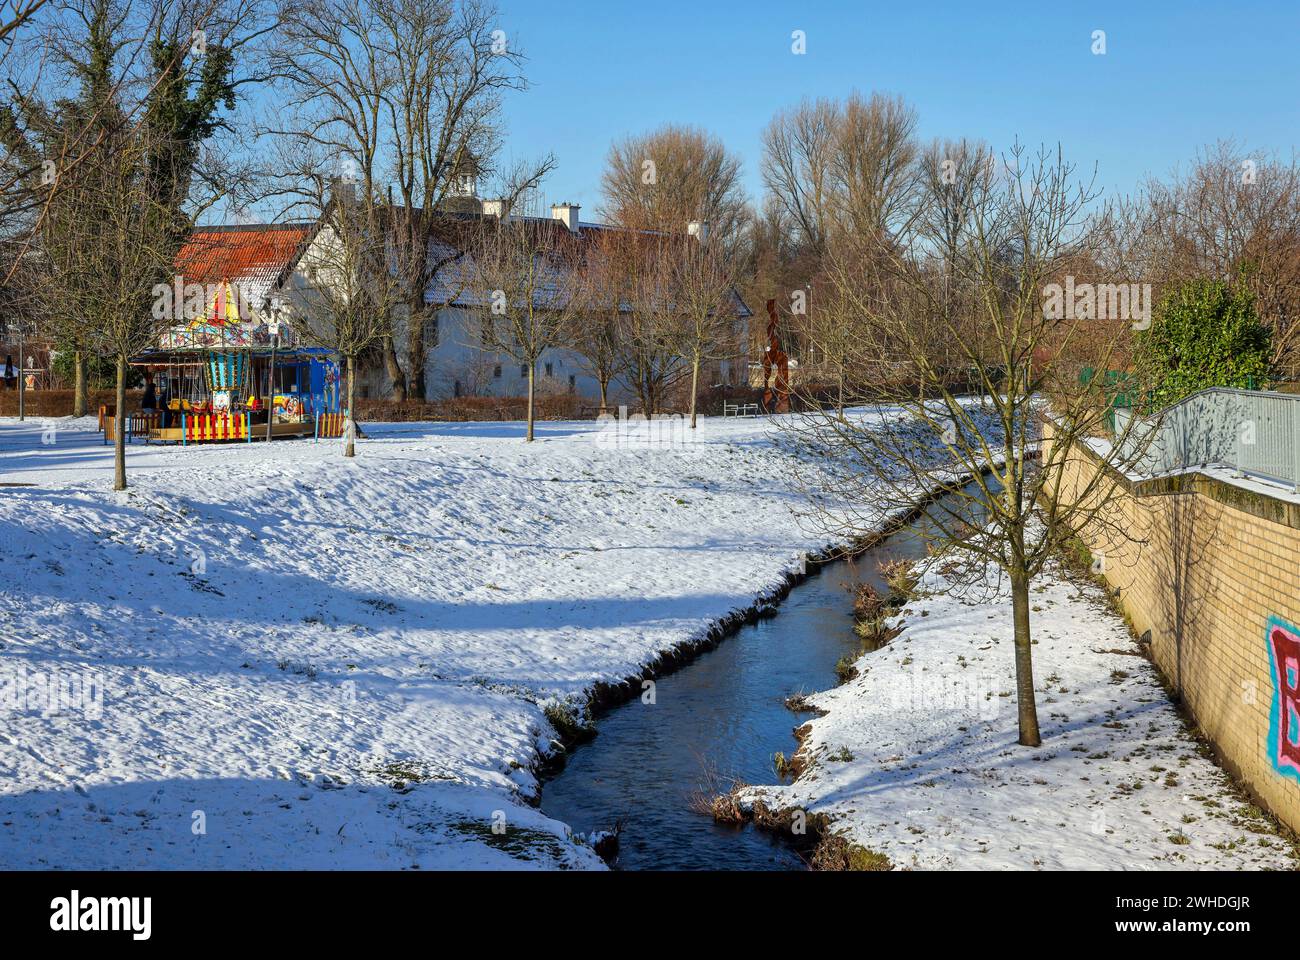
(457, 363)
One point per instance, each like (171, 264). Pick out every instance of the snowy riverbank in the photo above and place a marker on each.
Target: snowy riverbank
(916, 757)
(269, 656)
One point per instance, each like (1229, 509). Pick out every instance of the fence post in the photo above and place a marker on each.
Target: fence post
(1295, 443)
(183, 437)
(248, 427)
(316, 436)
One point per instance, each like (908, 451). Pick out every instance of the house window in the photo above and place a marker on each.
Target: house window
(496, 371)
(573, 383)
(550, 369)
(523, 371)
(456, 389)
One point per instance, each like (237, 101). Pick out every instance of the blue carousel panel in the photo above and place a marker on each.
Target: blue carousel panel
(325, 392)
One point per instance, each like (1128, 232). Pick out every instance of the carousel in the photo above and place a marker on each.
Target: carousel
(221, 378)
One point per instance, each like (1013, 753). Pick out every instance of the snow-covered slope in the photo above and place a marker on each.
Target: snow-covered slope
(270, 656)
(331, 663)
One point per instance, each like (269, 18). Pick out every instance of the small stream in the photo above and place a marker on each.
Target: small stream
(723, 711)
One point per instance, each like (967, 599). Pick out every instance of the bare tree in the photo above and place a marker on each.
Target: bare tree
(649, 335)
(21, 166)
(347, 306)
(126, 251)
(594, 329)
(701, 289)
(798, 167)
(843, 176)
(842, 167)
(874, 180)
(982, 293)
(526, 287)
(832, 342)
(665, 179)
(142, 100)
(1235, 217)
(107, 73)
(405, 95)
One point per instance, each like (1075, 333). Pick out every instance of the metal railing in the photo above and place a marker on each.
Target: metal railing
(1254, 432)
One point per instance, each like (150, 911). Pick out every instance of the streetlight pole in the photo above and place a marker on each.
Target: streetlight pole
(274, 327)
(22, 378)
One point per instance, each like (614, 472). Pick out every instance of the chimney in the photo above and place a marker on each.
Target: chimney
(496, 208)
(568, 213)
(698, 229)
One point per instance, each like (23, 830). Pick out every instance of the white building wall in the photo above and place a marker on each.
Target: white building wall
(460, 365)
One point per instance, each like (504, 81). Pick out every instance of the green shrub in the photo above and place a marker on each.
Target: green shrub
(1205, 333)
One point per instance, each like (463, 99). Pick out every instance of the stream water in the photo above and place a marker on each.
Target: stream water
(723, 712)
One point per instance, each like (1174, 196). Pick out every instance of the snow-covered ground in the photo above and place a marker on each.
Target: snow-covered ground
(916, 757)
(270, 656)
(332, 663)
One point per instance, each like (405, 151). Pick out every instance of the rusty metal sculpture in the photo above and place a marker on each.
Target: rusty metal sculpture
(776, 397)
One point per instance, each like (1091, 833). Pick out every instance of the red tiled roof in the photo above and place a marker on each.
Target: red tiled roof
(253, 258)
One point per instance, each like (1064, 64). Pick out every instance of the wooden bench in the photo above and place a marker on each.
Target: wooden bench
(740, 409)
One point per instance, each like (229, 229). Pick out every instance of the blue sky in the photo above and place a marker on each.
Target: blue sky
(1175, 76)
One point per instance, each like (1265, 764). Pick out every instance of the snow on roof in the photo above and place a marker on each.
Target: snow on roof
(457, 284)
(253, 257)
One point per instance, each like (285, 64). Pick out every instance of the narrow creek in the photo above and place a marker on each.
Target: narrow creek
(723, 712)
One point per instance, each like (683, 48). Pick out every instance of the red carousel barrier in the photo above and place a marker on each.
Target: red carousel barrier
(203, 427)
(330, 425)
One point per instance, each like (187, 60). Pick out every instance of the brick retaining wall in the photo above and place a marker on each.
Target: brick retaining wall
(1206, 567)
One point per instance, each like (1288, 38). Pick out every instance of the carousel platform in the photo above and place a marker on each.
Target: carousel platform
(236, 428)
(220, 428)
(219, 432)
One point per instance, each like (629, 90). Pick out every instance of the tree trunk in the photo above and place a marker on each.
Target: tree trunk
(1026, 707)
(119, 439)
(415, 358)
(645, 392)
(351, 427)
(79, 384)
(532, 373)
(695, 386)
(394, 369)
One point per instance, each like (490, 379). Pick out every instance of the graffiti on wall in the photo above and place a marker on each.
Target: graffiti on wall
(1284, 721)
